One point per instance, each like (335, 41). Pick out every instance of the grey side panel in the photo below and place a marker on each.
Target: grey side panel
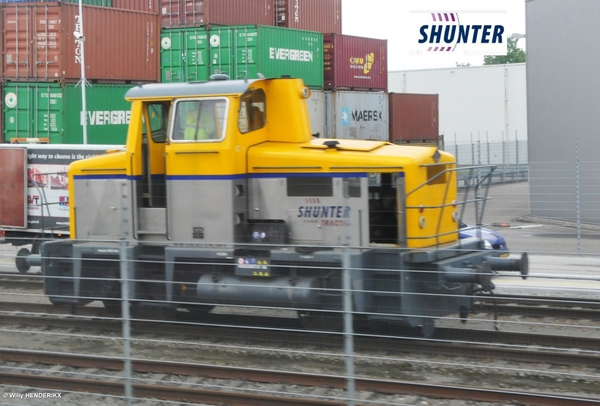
(98, 208)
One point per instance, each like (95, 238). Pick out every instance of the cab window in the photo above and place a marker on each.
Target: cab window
(200, 120)
(252, 114)
(157, 114)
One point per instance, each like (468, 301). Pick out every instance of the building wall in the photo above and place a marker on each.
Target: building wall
(476, 103)
(563, 104)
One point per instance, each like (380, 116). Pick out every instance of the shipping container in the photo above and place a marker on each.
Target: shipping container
(355, 63)
(250, 51)
(311, 15)
(349, 114)
(40, 44)
(316, 113)
(150, 6)
(184, 54)
(414, 118)
(196, 13)
(54, 111)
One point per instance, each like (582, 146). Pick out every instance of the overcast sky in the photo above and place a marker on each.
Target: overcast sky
(389, 19)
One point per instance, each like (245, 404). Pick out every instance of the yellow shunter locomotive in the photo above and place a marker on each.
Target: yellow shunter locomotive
(224, 197)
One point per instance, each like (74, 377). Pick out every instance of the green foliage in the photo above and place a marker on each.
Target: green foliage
(514, 54)
(459, 64)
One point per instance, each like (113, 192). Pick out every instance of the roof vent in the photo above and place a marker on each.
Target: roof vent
(219, 76)
(331, 144)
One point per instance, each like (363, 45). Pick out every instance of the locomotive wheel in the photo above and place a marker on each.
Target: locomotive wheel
(21, 260)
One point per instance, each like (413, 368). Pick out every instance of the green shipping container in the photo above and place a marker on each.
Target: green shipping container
(54, 111)
(184, 55)
(247, 51)
(191, 54)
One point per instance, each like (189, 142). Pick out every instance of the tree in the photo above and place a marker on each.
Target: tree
(461, 64)
(514, 54)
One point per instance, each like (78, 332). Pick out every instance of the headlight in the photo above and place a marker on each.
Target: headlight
(487, 245)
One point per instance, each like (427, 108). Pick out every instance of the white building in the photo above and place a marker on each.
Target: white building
(482, 109)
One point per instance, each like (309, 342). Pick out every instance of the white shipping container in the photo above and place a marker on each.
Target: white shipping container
(349, 114)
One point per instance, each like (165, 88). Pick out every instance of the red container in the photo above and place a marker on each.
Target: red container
(150, 6)
(40, 45)
(355, 63)
(195, 13)
(311, 15)
(414, 118)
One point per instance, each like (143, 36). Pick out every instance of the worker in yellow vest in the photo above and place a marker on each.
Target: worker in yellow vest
(200, 123)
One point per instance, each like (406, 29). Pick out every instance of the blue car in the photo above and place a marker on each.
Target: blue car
(493, 240)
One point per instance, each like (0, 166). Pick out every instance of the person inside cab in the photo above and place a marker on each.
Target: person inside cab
(200, 123)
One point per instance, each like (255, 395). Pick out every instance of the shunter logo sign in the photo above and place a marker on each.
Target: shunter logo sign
(466, 32)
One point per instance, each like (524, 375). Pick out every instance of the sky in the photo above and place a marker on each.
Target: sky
(390, 19)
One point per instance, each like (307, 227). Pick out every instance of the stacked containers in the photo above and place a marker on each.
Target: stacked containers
(354, 103)
(41, 53)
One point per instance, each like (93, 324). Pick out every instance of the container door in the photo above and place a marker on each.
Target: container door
(184, 55)
(13, 188)
(18, 49)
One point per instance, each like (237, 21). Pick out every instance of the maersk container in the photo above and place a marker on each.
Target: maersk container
(249, 51)
(40, 44)
(414, 118)
(54, 111)
(312, 15)
(357, 115)
(355, 63)
(184, 54)
(196, 13)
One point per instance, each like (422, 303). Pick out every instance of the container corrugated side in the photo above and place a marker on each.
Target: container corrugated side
(54, 111)
(357, 115)
(150, 6)
(195, 13)
(355, 63)
(39, 44)
(184, 54)
(316, 113)
(312, 15)
(247, 51)
(414, 118)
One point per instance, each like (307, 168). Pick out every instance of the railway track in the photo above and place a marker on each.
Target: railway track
(516, 346)
(186, 392)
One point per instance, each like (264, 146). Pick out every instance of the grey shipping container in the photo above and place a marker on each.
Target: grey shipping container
(414, 118)
(349, 114)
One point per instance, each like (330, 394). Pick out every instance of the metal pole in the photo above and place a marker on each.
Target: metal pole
(124, 268)
(348, 328)
(80, 39)
(577, 197)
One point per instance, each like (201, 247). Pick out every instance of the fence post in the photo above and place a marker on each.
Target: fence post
(125, 314)
(577, 196)
(348, 324)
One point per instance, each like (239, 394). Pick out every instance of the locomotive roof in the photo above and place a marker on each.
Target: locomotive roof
(188, 89)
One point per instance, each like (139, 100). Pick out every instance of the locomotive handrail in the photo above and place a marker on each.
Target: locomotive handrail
(463, 203)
